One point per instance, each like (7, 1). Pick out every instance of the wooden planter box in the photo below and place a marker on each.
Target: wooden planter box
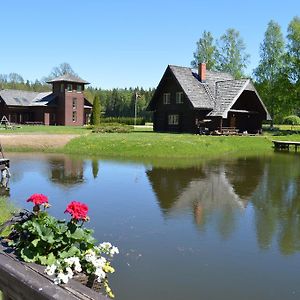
(27, 281)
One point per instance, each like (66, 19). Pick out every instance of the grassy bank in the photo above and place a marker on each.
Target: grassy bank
(163, 145)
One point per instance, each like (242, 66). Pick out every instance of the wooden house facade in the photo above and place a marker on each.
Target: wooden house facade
(65, 105)
(186, 100)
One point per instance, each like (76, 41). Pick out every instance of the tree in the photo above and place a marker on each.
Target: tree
(232, 57)
(293, 58)
(206, 51)
(269, 72)
(62, 69)
(96, 111)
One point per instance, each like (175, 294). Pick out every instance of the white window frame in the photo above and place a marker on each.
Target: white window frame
(179, 97)
(167, 98)
(173, 119)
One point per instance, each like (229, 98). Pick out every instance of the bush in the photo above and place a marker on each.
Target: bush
(123, 120)
(291, 120)
(112, 128)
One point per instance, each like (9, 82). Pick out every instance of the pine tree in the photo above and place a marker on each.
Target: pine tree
(96, 111)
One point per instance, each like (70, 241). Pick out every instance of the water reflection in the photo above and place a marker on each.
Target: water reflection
(217, 192)
(66, 170)
(175, 226)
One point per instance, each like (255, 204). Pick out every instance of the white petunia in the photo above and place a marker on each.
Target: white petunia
(100, 274)
(114, 250)
(70, 272)
(50, 270)
(61, 277)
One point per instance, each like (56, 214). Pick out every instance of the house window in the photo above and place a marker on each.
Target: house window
(179, 97)
(74, 103)
(167, 98)
(173, 119)
(69, 87)
(62, 87)
(74, 116)
(79, 87)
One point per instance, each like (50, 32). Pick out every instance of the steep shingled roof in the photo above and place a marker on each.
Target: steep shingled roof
(218, 93)
(192, 87)
(26, 98)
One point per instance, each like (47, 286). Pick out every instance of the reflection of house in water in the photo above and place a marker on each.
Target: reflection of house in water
(213, 188)
(66, 170)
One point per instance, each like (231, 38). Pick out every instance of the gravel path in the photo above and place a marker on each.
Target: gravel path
(36, 140)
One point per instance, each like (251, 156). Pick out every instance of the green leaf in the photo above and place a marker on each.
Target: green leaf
(73, 251)
(35, 242)
(28, 255)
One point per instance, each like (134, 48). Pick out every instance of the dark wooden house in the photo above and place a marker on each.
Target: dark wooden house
(186, 99)
(65, 105)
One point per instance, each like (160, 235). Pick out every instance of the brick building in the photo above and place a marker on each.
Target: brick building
(65, 105)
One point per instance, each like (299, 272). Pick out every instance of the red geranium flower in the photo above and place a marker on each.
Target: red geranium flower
(77, 210)
(38, 199)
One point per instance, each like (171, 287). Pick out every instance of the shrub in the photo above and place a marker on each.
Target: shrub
(291, 120)
(112, 128)
(123, 120)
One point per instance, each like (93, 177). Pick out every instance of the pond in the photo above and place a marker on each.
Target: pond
(227, 229)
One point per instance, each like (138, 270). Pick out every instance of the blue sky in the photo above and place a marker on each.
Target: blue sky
(122, 43)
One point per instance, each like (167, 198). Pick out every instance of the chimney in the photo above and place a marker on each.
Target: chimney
(202, 72)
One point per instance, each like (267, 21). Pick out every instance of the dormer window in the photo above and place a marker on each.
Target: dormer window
(69, 87)
(79, 87)
(179, 97)
(167, 98)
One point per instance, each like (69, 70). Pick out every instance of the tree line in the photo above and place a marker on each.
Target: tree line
(277, 76)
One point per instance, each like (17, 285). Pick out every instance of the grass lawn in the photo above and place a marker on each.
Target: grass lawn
(160, 145)
(46, 129)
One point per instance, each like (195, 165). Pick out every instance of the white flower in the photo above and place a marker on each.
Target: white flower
(61, 277)
(99, 263)
(77, 267)
(70, 272)
(105, 245)
(100, 274)
(114, 250)
(50, 270)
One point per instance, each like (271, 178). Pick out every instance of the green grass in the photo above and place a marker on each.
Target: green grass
(164, 145)
(47, 129)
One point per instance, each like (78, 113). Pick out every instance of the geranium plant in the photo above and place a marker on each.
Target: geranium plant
(65, 247)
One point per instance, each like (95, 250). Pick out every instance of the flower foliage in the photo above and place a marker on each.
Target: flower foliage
(38, 199)
(77, 210)
(66, 248)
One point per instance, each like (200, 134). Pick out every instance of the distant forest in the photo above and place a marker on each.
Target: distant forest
(276, 77)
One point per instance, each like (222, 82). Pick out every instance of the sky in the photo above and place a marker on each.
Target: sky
(126, 43)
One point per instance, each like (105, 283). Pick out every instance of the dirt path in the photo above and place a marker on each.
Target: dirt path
(36, 140)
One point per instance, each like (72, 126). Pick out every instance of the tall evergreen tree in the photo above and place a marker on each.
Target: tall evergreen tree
(269, 72)
(206, 51)
(232, 57)
(96, 112)
(293, 59)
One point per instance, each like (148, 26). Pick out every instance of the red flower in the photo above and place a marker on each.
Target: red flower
(77, 210)
(38, 199)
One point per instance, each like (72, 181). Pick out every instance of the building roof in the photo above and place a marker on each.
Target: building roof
(27, 98)
(68, 78)
(218, 93)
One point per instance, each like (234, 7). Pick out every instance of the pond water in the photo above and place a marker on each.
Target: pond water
(225, 229)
